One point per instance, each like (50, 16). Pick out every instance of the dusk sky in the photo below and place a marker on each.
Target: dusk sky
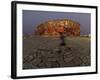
(31, 19)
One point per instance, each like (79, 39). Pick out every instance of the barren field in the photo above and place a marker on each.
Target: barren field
(42, 52)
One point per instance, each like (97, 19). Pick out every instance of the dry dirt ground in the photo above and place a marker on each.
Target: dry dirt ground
(40, 52)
